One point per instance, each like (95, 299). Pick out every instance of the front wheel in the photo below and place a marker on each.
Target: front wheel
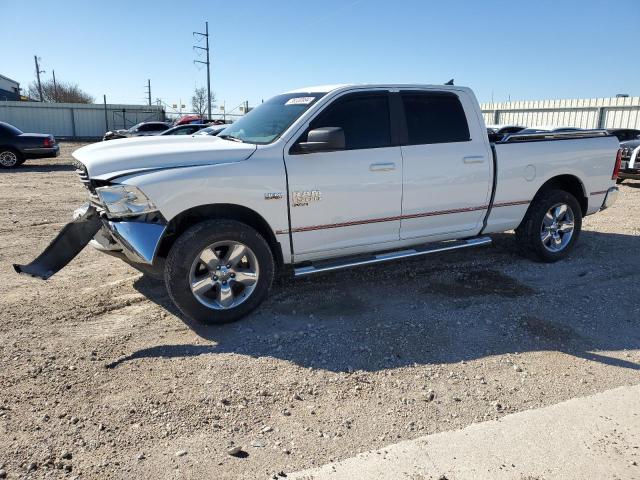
(551, 226)
(218, 271)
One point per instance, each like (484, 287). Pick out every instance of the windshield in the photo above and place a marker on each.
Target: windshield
(268, 121)
(135, 127)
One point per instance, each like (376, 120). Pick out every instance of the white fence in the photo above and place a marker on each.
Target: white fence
(76, 120)
(583, 113)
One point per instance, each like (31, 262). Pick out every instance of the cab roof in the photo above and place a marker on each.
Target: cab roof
(345, 86)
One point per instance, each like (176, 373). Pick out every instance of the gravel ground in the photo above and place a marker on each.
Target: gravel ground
(101, 378)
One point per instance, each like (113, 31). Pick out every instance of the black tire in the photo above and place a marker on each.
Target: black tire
(19, 159)
(619, 181)
(188, 248)
(528, 233)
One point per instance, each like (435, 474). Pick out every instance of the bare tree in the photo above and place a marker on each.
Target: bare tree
(59, 92)
(199, 101)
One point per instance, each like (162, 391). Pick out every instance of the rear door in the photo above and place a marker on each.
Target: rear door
(348, 199)
(447, 165)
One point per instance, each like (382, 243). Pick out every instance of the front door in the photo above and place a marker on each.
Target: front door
(347, 200)
(447, 169)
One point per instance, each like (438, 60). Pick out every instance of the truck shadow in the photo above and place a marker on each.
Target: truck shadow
(440, 309)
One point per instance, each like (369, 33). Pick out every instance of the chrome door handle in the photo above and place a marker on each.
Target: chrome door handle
(474, 159)
(382, 167)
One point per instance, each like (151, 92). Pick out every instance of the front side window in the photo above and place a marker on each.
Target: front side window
(434, 118)
(269, 120)
(364, 118)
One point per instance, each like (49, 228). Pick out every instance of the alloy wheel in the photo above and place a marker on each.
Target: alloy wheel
(224, 275)
(557, 227)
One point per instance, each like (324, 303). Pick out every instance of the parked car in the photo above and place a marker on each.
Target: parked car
(497, 132)
(16, 146)
(630, 160)
(188, 119)
(325, 178)
(548, 129)
(142, 129)
(188, 129)
(625, 134)
(211, 130)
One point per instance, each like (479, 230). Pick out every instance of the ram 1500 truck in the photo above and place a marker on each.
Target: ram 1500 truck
(324, 178)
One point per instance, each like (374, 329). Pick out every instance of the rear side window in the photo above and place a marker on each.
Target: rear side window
(152, 127)
(364, 119)
(434, 118)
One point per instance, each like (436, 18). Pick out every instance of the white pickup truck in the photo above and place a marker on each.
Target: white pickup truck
(324, 178)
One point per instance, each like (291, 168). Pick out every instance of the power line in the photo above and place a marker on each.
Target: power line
(207, 63)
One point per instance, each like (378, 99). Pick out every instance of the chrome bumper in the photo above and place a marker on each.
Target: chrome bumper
(610, 198)
(139, 241)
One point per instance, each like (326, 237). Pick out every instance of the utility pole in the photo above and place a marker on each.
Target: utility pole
(207, 63)
(149, 91)
(106, 117)
(38, 72)
(55, 86)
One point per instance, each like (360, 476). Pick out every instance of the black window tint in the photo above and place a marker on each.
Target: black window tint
(434, 118)
(364, 119)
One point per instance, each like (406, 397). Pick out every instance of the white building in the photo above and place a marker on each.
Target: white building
(9, 89)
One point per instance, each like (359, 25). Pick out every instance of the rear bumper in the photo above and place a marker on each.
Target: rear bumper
(41, 152)
(138, 241)
(629, 174)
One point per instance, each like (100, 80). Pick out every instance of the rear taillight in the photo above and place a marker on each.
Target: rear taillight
(616, 168)
(48, 142)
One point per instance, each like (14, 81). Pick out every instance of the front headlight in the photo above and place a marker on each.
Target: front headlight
(125, 201)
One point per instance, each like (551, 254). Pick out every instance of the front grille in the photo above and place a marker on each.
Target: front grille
(81, 170)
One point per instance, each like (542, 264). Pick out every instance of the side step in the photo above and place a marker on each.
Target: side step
(338, 264)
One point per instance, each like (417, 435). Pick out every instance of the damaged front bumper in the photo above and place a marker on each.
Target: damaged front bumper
(137, 240)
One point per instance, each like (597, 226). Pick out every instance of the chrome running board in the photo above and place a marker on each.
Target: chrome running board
(340, 263)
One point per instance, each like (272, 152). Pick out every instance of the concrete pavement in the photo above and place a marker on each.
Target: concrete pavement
(594, 437)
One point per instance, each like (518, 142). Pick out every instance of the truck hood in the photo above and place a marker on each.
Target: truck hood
(106, 160)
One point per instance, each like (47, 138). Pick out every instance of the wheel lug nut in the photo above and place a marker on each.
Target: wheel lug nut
(215, 278)
(218, 267)
(228, 266)
(233, 275)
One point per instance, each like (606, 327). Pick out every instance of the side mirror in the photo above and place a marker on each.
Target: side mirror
(323, 139)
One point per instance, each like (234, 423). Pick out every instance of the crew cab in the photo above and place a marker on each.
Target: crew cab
(324, 178)
(16, 146)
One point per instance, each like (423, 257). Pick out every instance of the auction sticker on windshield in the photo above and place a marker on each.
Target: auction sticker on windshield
(300, 101)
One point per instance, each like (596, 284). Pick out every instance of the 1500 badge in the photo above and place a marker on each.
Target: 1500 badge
(302, 199)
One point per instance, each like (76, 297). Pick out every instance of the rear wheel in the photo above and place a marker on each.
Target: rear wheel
(10, 158)
(218, 271)
(551, 226)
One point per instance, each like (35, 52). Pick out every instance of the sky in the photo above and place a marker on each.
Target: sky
(502, 49)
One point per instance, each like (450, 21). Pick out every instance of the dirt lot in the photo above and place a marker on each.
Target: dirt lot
(101, 378)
